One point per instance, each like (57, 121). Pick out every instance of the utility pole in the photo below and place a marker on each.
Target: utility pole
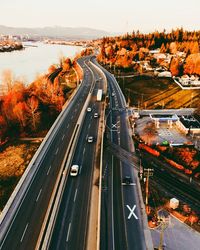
(147, 173)
(163, 227)
(147, 188)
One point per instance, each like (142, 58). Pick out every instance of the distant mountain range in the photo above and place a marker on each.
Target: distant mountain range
(56, 31)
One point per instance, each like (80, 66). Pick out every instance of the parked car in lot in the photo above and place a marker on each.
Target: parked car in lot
(74, 170)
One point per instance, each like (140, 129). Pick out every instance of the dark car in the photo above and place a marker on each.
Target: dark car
(127, 180)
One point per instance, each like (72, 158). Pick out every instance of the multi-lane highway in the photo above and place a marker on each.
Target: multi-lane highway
(71, 226)
(121, 226)
(21, 226)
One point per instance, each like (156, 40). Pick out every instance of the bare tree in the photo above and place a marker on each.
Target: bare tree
(32, 108)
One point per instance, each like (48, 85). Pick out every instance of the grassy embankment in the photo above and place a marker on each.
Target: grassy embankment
(154, 93)
(13, 161)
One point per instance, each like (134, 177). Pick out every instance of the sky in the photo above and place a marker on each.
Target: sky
(108, 15)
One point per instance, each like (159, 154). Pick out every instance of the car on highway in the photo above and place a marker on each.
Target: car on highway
(74, 170)
(113, 94)
(90, 139)
(127, 180)
(89, 109)
(96, 115)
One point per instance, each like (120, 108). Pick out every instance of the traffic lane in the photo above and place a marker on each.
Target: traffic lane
(59, 235)
(119, 225)
(80, 165)
(106, 206)
(117, 93)
(81, 212)
(133, 218)
(64, 215)
(77, 159)
(21, 227)
(78, 220)
(130, 194)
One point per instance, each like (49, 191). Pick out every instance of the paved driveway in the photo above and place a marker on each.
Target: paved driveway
(177, 236)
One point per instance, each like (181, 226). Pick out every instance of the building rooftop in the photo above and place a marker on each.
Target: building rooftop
(189, 121)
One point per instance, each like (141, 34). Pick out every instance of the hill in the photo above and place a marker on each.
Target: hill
(56, 31)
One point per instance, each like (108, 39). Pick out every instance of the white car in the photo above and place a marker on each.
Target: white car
(89, 109)
(74, 170)
(96, 115)
(90, 139)
(113, 94)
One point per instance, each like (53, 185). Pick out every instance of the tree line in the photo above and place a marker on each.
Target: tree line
(29, 109)
(124, 51)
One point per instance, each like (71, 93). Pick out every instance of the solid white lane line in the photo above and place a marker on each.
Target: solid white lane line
(39, 195)
(63, 137)
(24, 232)
(75, 195)
(48, 170)
(68, 232)
(57, 150)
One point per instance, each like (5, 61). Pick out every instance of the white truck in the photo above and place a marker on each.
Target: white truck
(99, 95)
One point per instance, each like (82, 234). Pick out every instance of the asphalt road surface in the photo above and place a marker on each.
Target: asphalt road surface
(70, 231)
(24, 230)
(121, 225)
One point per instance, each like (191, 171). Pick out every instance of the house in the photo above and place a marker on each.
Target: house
(165, 74)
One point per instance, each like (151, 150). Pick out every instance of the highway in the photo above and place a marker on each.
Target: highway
(21, 226)
(121, 226)
(70, 231)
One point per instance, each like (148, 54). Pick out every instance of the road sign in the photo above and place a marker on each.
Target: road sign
(148, 171)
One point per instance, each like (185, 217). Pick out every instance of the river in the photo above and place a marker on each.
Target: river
(35, 59)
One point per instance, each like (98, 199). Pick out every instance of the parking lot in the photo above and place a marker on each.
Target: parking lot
(163, 133)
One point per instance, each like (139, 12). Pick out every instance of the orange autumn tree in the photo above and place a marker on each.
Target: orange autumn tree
(20, 111)
(192, 65)
(3, 128)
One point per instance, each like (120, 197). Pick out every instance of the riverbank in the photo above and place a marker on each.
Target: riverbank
(8, 46)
